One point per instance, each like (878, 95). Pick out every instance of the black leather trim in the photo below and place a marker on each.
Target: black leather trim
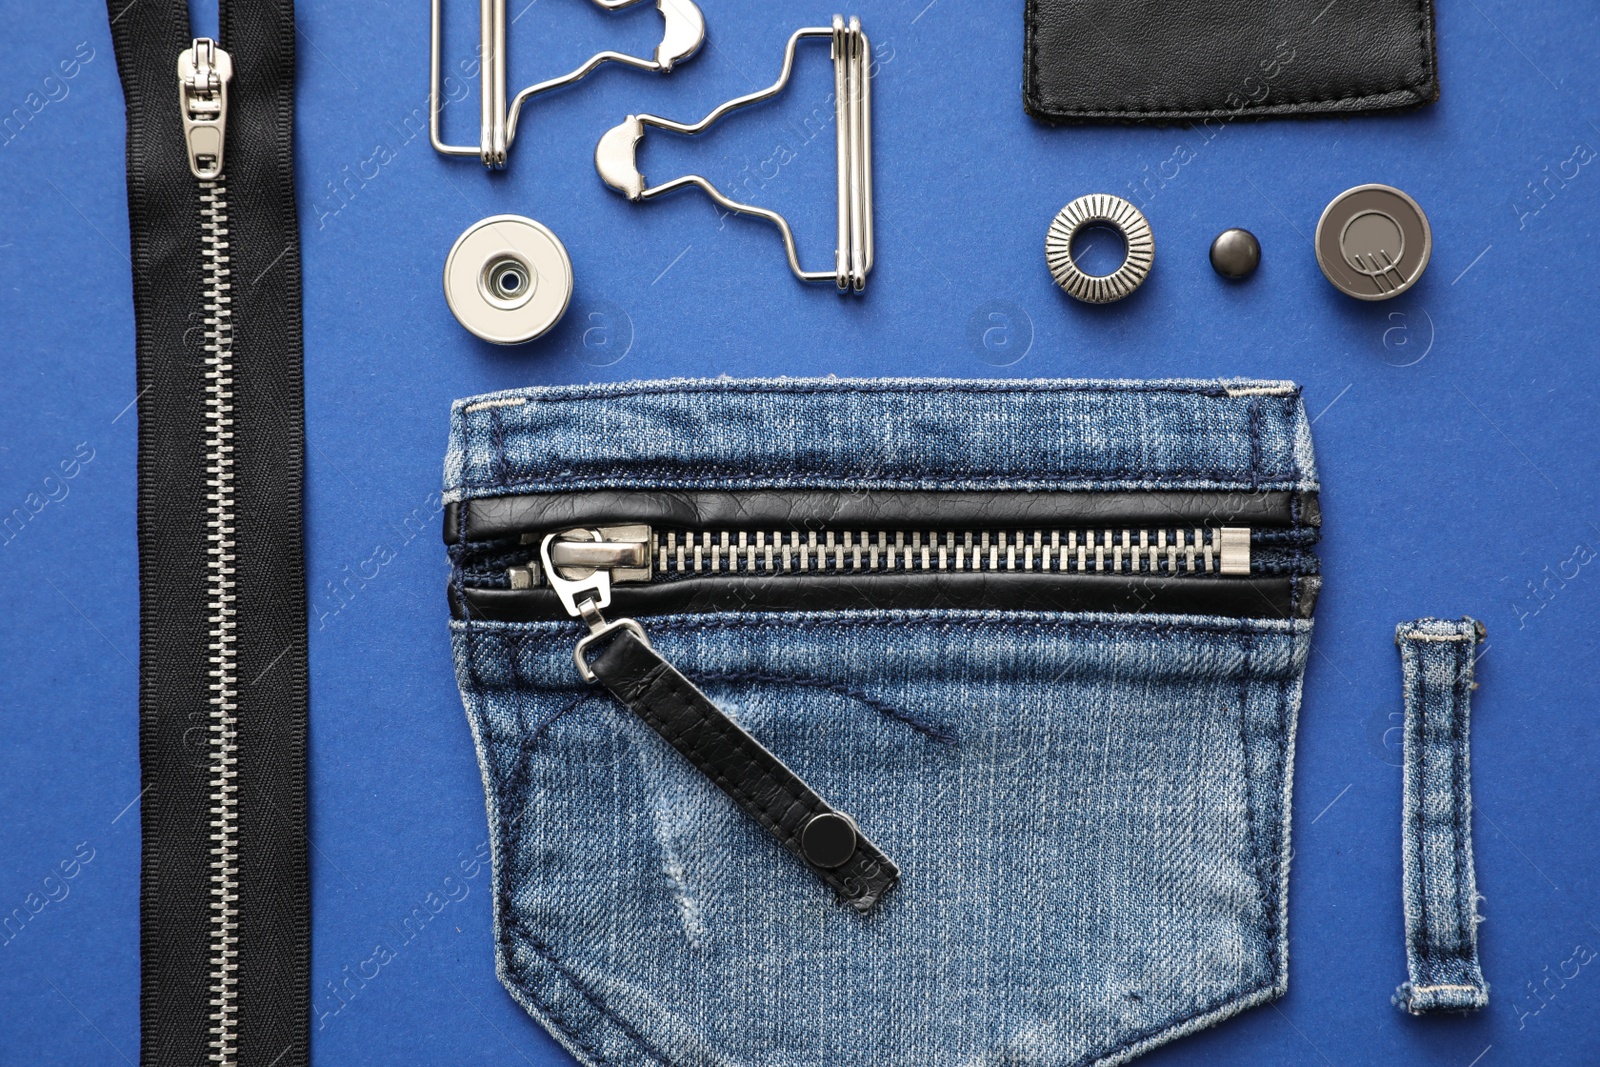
(1193, 60)
(487, 518)
(756, 779)
(1278, 597)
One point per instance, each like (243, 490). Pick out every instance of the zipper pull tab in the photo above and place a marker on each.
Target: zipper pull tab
(204, 71)
(579, 564)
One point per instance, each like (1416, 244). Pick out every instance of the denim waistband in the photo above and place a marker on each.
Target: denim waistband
(908, 433)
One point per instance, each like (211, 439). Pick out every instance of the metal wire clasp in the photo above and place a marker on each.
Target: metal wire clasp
(616, 156)
(682, 35)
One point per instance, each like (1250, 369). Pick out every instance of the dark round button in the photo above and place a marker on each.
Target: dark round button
(1373, 242)
(1235, 254)
(829, 840)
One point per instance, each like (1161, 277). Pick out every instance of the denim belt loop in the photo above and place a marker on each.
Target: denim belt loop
(1440, 888)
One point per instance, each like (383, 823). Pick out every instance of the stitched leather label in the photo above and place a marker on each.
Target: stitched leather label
(1190, 60)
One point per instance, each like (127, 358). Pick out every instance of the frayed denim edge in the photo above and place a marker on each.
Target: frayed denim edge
(1209, 387)
(1202, 481)
(551, 1013)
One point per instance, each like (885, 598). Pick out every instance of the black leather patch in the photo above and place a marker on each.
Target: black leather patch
(1193, 60)
(486, 518)
(756, 779)
(1271, 597)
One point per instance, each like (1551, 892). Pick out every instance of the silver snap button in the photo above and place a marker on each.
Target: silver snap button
(507, 279)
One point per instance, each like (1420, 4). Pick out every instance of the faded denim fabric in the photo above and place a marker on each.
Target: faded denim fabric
(1090, 811)
(896, 433)
(1440, 887)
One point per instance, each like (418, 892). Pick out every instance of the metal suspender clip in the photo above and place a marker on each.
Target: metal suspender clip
(616, 155)
(684, 31)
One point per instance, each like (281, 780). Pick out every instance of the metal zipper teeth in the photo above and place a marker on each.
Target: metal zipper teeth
(1123, 550)
(216, 284)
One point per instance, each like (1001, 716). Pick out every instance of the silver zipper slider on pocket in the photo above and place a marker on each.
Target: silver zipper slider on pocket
(204, 71)
(579, 565)
(623, 551)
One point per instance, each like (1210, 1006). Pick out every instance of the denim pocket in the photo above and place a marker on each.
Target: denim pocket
(1087, 795)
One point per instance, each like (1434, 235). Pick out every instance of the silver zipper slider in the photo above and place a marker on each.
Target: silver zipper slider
(204, 71)
(622, 550)
(579, 566)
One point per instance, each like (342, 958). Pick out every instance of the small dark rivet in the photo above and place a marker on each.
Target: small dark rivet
(828, 840)
(1235, 254)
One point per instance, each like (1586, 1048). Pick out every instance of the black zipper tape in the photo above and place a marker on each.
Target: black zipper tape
(224, 986)
(489, 518)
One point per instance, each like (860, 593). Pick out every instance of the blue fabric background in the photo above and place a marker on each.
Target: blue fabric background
(1455, 430)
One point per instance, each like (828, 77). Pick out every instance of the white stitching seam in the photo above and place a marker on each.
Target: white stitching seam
(1258, 390)
(509, 402)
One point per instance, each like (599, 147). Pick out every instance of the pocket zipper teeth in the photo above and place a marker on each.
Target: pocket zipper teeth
(1121, 550)
(1154, 551)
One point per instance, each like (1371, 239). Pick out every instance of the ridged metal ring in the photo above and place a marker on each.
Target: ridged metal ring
(1108, 210)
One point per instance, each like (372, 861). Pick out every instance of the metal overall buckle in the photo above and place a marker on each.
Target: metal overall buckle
(616, 155)
(682, 35)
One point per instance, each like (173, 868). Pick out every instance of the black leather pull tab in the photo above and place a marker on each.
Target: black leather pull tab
(827, 841)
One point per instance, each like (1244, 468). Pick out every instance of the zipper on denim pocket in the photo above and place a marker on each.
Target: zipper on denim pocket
(581, 565)
(642, 554)
(1240, 554)
(577, 556)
